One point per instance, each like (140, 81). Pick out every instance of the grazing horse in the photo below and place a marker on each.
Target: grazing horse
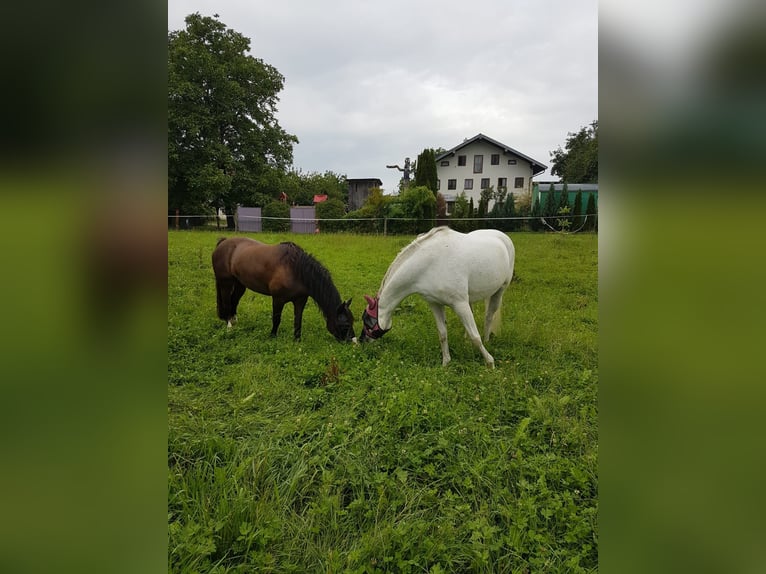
(286, 273)
(447, 268)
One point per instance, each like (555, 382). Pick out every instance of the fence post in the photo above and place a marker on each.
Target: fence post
(385, 226)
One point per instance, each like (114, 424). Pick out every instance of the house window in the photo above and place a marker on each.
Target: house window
(438, 184)
(445, 163)
(478, 163)
(451, 184)
(485, 183)
(511, 162)
(468, 184)
(502, 183)
(461, 160)
(495, 159)
(518, 182)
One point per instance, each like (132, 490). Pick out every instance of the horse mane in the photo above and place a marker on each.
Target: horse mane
(220, 240)
(408, 249)
(314, 276)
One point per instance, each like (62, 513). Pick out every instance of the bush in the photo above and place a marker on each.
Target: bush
(331, 209)
(276, 209)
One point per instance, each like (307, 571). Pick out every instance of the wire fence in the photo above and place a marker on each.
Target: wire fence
(382, 225)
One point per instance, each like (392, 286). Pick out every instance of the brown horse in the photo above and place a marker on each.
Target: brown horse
(286, 273)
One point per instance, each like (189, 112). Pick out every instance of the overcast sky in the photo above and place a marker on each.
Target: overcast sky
(370, 83)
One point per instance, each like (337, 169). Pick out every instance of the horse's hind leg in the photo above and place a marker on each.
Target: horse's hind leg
(276, 314)
(441, 327)
(298, 305)
(463, 310)
(492, 316)
(237, 291)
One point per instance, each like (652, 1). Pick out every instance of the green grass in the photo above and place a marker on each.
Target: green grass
(315, 456)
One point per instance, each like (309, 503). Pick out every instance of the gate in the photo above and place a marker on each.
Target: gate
(249, 219)
(303, 219)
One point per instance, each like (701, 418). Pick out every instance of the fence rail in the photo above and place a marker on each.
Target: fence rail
(393, 225)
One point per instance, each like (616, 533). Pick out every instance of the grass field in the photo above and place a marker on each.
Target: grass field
(315, 456)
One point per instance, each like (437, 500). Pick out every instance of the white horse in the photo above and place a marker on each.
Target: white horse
(447, 268)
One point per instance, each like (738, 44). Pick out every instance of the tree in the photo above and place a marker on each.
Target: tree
(460, 212)
(578, 163)
(425, 170)
(441, 209)
(224, 141)
(577, 210)
(550, 202)
(591, 212)
(563, 209)
(333, 185)
(487, 194)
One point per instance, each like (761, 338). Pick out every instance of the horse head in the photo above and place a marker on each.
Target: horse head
(342, 327)
(370, 327)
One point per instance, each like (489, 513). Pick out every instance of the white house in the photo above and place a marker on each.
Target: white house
(481, 162)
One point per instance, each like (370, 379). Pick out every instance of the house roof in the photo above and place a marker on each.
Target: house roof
(537, 167)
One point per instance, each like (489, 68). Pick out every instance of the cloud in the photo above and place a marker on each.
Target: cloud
(368, 84)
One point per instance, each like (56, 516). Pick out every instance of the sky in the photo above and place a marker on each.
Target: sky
(368, 84)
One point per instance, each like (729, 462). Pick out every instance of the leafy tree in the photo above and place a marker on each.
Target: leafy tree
(471, 215)
(578, 162)
(460, 212)
(441, 210)
(425, 170)
(333, 185)
(486, 196)
(535, 213)
(224, 141)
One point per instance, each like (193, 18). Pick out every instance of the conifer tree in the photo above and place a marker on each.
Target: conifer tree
(577, 210)
(591, 212)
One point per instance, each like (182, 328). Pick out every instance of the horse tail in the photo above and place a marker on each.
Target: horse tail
(223, 282)
(222, 300)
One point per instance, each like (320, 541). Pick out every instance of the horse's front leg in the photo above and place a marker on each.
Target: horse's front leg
(441, 327)
(463, 310)
(276, 314)
(299, 305)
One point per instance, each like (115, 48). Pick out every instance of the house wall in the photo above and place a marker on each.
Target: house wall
(522, 168)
